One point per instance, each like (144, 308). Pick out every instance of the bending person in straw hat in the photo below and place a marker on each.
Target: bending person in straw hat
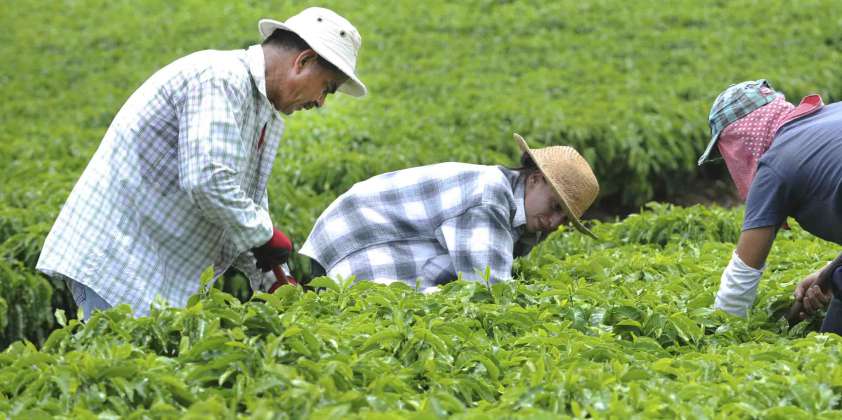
(434, 223)
(179, 181)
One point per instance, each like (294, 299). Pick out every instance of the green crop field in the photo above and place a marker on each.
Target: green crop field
(619, 328)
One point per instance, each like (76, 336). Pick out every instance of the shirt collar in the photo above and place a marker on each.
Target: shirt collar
(257, 68)
(519, 189)
(518, 182)
(809, 104)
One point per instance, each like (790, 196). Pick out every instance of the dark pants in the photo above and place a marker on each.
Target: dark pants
(833, 320)
(316, 269)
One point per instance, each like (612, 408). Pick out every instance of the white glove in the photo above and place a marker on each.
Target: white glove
(738, 287)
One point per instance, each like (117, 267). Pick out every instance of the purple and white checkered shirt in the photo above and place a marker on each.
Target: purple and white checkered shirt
(177, 184)
(430, 224)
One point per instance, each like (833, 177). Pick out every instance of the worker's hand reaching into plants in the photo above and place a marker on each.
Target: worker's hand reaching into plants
(811, 295)
(273, 253)
(288, 280)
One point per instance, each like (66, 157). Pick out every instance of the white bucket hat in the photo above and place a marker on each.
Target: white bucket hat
(329, 35)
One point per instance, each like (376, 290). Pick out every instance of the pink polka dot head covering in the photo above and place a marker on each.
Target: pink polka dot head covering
(744, 120)
(742, 142)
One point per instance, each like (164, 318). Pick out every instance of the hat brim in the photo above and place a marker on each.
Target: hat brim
(573, 219)
(353, 86)
(706, 156)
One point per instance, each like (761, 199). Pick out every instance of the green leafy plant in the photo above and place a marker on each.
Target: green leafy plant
(618, 328)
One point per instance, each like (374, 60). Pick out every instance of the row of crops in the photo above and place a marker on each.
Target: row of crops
(621, 328)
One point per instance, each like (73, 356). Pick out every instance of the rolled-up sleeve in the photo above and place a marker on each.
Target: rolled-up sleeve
(211, 154)
(477, 240)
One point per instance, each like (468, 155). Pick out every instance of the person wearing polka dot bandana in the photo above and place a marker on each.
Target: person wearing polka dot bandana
(786, 161)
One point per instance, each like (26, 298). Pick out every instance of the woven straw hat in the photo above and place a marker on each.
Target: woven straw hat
(329, 35)
(571, 177)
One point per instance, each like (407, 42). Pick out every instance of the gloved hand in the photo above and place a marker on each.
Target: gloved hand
(273, 253)
(288, 280)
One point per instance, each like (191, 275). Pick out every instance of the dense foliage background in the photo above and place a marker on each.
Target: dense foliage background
(628, 84)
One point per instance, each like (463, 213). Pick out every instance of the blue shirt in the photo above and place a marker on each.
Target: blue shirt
(800, 176)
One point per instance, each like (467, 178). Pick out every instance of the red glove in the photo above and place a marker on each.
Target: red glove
(282, 281)
(273, 253)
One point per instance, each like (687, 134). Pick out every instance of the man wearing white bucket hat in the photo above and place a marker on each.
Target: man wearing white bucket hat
(178, 183)
(434, 223)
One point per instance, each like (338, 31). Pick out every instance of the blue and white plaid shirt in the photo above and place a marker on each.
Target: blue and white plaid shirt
(178, 184)
(429, 223)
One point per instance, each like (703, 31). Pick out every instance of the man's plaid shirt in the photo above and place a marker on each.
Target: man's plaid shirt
(429, 223)
(177, 184)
